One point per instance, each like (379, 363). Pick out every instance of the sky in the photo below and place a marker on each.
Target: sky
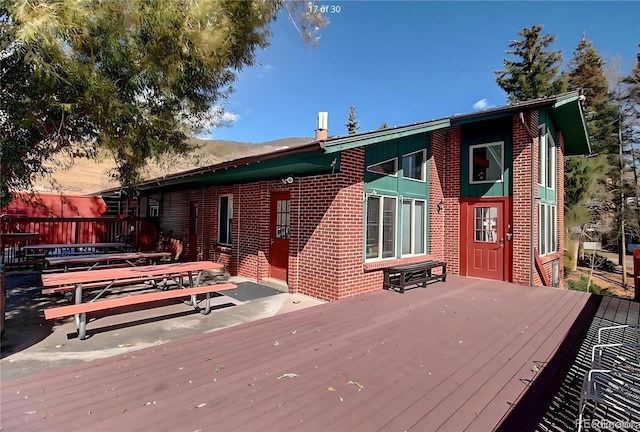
(403, 62)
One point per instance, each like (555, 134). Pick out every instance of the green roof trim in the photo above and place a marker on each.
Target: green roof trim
(367, 138)
(568, 117)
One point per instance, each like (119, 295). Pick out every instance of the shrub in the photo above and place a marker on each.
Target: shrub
(581, 285)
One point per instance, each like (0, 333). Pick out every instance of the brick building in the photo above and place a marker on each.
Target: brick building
(482, 191)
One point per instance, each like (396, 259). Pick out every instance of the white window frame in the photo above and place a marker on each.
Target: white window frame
(491, 144)
(546, 145)
(228, 222)
(395, 167)
(412, 225)
(380, 236)
(547, 228)
(423, 167)
(154, 210)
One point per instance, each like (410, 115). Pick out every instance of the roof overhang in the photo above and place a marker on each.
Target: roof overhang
(568, 116)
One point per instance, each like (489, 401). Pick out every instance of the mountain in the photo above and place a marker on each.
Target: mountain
(86, 176)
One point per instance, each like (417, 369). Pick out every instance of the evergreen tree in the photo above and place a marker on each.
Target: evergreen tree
(131, 79)
(587, 74)
(352, 123)
(535, 74)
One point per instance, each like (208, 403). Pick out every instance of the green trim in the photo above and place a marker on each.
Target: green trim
(368, 138)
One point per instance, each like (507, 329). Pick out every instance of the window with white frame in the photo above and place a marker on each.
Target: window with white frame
(546, 158)
(380, 227)
(486, 162)
(547, 229)
(413, 165)
(225, 219)
(386, 167)
(154, 210)
(414, 220)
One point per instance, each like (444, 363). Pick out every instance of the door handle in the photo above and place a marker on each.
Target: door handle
(509, 236)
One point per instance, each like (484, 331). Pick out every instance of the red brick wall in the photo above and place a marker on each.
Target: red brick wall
(451, 212)
(437, 170)
(524, 230)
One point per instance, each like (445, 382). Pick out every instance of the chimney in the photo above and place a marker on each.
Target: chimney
(321, 130)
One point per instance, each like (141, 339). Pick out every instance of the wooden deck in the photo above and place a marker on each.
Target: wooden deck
(450, 357)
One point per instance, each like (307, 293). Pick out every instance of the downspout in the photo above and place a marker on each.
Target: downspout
(238, 242)
(298, 242)
(533, 194)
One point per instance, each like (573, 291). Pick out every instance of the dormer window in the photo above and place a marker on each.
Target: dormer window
(486, 163)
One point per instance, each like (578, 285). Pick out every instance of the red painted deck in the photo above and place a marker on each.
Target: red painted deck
(450, 357)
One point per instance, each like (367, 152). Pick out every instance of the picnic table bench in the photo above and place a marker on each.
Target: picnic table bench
(37, 253)
(412, 275)
(108, 278)
(102, 260)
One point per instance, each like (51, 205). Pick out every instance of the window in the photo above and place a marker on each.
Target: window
(387, 167)
(225, 219)
(546, 158)
(486, 163)
(547, 229)
(283, 219)
(154, 210)
(413, 165)
(381, 227)
(486, 224)
(414, 217)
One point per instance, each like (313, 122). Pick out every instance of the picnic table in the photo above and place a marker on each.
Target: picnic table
(105, 279)
(106, 259)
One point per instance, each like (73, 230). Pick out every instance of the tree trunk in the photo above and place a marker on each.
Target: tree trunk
(574, 247)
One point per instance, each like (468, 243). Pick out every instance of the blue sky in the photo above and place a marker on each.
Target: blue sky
(407, 61)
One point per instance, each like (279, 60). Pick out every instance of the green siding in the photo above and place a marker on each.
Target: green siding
(546, 194)
(481, 133)
(397, 185)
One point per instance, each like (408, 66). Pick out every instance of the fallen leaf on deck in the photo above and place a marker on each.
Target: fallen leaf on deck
(201, 405)
(331, 389)
(59, 345)
(294, 332)
(288, 375)
(45, 347)
(125, 345)
(219, 367)
(357, 384)
(535, 368)
(276, 343)
(207, 358)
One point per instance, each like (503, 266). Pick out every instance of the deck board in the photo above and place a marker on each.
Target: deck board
(427, 359)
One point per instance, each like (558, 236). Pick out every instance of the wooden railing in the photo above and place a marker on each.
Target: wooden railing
(45, 230)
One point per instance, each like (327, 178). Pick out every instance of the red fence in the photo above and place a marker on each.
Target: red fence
(72, 230)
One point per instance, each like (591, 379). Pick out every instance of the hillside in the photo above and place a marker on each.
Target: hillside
(87, 176)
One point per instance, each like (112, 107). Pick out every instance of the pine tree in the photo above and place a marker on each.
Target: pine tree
(352, 123)
(535, 74)
(587, 74)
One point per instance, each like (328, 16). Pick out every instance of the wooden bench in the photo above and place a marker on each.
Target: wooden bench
(80, 310)
(413, 275)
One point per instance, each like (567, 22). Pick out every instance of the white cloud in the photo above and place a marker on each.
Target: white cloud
(264, 70)
(482, 104)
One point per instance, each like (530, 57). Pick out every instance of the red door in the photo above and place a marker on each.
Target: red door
(485, 248)
(194, 208)
(280, 233)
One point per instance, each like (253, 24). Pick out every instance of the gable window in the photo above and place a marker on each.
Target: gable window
(486, 162)
(387, 167)
(547, 229)
(154, 210)
(381, 227)
(225, 219)
(413, 165)
(546, 158)
(414, 219)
